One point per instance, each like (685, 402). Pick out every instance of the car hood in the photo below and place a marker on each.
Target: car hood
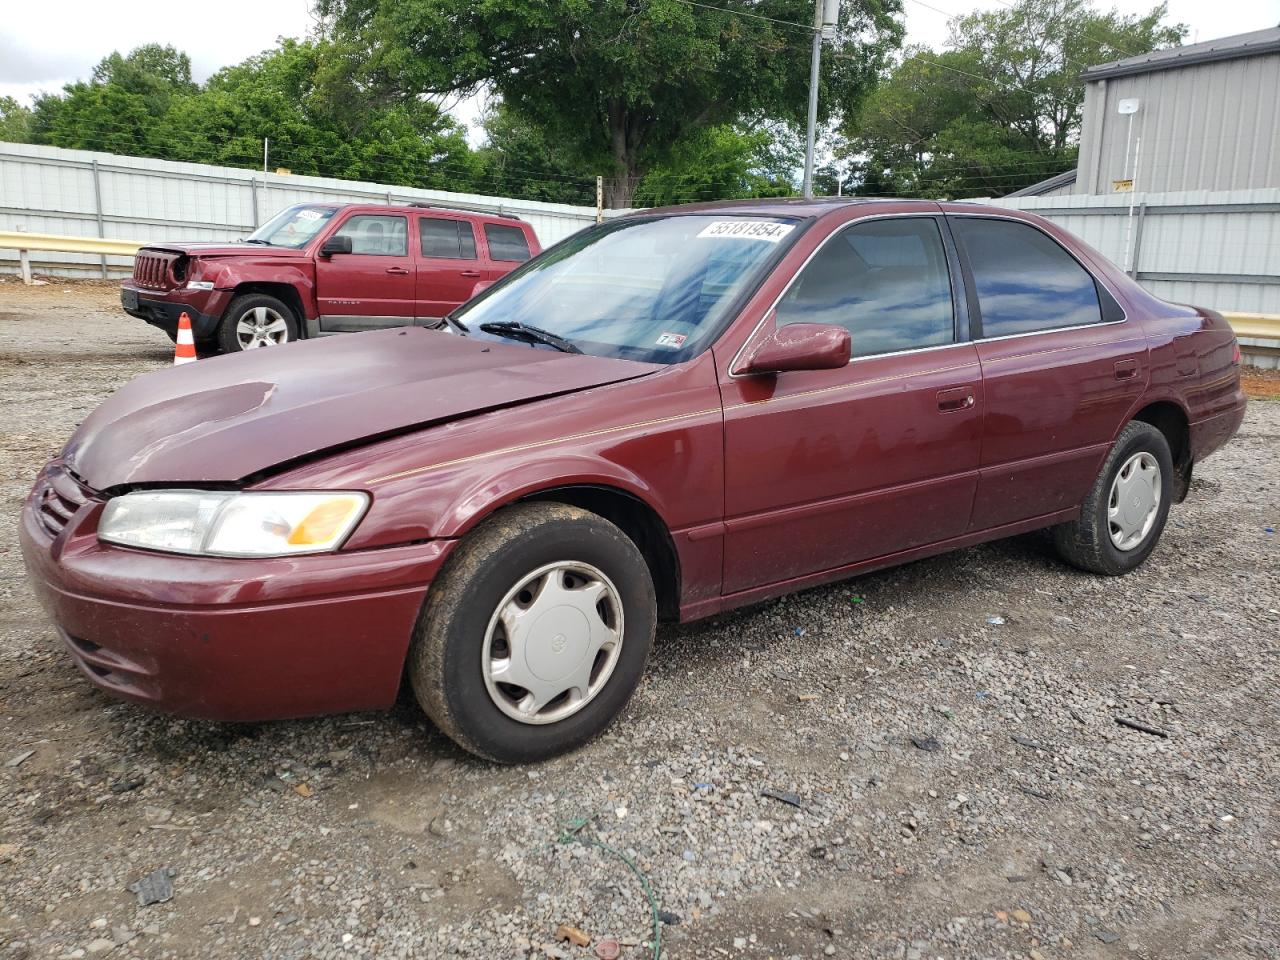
(225, 419)
(224, 249)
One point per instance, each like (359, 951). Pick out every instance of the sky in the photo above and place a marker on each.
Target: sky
(45, 45)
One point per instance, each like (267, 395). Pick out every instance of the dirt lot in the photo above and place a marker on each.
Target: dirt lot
(946, 785)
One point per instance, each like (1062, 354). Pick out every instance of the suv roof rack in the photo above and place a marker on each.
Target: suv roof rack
(444, 206)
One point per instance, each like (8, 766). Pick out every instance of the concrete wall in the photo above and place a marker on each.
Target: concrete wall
(82, 193)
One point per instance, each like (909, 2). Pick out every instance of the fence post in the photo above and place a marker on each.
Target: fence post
(24, 257)
(1137, 240)
(253, 198)
(97, 204)
(599, 199)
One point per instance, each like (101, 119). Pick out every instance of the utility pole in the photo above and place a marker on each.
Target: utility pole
(825, 15)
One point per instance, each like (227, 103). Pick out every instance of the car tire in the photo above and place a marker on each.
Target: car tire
(1119, 526)
(550, 561)
(256, 320)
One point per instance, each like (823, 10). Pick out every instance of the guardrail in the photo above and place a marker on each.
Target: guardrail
(25, 242)
(1258, 333)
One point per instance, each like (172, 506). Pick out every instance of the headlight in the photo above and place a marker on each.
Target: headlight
(221, 524)
(199, 284)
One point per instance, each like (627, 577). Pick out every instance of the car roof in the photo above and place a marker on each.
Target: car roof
(788, 206)
(422, 207)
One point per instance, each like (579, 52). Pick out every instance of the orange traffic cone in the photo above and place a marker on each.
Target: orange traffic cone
(186, 348)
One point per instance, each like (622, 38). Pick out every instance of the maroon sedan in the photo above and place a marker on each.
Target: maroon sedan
(665, 416)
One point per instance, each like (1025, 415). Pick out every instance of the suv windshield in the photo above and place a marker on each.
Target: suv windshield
(293, 226)
(650, 289)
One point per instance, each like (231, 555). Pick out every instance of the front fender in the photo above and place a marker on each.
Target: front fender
(300, 278)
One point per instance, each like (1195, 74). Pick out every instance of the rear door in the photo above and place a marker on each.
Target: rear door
(449, 266)
(827, 468)
(373, 285)
(1061, 365)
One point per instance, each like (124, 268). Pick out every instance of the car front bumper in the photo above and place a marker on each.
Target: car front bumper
(224, 639)
(163, 308)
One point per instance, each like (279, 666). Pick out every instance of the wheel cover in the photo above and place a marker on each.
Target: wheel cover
(261, 327)
(1134, 502)
(553, 642)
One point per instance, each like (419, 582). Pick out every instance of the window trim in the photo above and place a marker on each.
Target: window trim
(408, 245)
(958, 313)
(458, 223)
(976, 307)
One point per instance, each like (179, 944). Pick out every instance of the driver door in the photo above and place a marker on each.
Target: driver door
(372, 286)
(828, 468)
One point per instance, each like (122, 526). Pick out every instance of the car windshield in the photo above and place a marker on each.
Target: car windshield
(650, 289)
(293, 226)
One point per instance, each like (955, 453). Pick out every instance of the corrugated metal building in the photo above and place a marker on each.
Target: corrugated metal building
(1207, 118)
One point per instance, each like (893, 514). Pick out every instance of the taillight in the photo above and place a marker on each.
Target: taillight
(1235, 353)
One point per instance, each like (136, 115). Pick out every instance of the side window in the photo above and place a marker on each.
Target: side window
(1024, 280)
(377, 235)
(447, 239)
(885, 281)
(506, 243)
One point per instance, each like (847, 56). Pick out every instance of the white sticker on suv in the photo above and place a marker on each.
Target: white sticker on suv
(765, 230)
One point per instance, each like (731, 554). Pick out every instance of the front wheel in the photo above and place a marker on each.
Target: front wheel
(535, 634)
(256, 320)
(1125, 511)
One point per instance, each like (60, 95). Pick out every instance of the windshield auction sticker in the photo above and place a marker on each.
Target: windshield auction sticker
(765, 230)
(674, 340)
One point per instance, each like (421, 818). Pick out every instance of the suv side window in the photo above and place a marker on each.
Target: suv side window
(506, 243)
(1025, 281)
(447, 239)
(377, 235)
(885, 281)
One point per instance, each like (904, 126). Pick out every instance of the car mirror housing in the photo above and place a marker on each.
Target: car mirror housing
(800, 346)
(335, 245)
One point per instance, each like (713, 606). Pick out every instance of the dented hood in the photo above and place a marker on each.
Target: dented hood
(227, 418)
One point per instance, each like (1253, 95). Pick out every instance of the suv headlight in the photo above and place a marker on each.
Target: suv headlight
(227, 524)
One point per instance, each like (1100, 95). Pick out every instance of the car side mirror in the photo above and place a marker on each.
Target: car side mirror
(334, 245)
(800, 346)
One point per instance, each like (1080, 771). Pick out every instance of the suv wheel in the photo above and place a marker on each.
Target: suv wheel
(1125, 511)
(535, 634)
(256, 320)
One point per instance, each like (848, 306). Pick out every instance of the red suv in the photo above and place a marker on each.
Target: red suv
(320, 268)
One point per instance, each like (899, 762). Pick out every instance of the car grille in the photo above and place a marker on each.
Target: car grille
(151, 270)
(58, 496)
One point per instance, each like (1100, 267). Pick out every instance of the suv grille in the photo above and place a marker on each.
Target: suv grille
(58, 496)
(152, 270)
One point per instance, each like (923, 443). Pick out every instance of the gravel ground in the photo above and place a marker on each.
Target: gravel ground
(941, 784)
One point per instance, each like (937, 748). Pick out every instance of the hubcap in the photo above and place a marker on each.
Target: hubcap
(553, 642)
(261, 327)
(1134, 501)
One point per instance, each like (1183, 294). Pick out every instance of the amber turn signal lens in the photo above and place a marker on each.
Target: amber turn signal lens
(324, 522)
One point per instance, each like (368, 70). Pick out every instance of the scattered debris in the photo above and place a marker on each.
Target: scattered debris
(608, 949)
(807, 697)
(1032, 792)
(1106, 936)
(856, 599)
(1028, 742)
(927, 744)
(155, 887)
(996, 621)
(304, 790)
(669, 918)
(127, 784)
(20, 759)
(1020, 916)
(573, 935)
(784, 795)
(1142, 727)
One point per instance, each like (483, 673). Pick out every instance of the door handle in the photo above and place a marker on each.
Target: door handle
(955, 398)
(1126, 369)
(470, 273)
(398, 271)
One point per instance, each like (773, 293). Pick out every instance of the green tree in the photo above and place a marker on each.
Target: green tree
(999, 110)
(715, 163)
(617, 84)
(15, 121)
(518, 159)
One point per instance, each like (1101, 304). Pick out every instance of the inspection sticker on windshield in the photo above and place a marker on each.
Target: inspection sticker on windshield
(765, 230)
(673, 340)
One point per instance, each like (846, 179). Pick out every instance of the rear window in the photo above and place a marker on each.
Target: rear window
(447, 239)
(506, 243)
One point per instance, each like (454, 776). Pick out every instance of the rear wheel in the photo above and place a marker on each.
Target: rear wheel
(256, 320)
(535, 634)
(1125, 511)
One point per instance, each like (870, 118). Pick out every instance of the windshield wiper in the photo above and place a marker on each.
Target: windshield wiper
(265, 243)
(514, 330)
(451, 321)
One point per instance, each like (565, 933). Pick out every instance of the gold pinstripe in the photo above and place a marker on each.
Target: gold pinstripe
(605, 431)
